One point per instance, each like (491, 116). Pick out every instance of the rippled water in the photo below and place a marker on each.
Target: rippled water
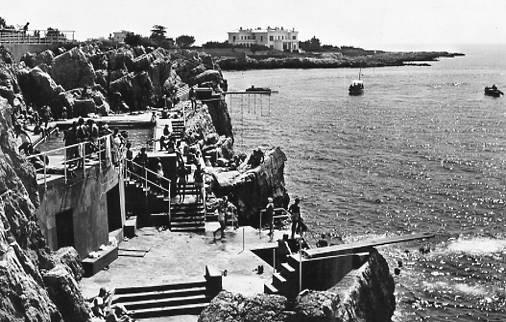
(422, 150)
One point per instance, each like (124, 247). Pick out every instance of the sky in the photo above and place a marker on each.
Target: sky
(372, 24)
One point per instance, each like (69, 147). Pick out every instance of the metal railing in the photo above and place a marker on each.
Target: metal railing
(14, 36)
(140, 174)
(74, 157)
(285, 215)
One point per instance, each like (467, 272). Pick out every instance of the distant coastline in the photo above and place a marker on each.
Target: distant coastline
(242, 60)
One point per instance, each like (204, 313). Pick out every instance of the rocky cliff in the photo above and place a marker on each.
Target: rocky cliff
(366, 294)
(35, 285)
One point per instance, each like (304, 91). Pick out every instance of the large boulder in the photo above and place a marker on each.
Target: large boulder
(231, 307)
(144, 61)
(136, 89)
(6, 56)
(72, 69)
(45, 57)
(83, 107)
(252, 187)
(9, 86)
(121, 58)
(209, 75)
(101, 77)
(38, 87)
(64, 292)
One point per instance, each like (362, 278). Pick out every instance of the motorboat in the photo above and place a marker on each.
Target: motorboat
(357, 86)
(493, 91)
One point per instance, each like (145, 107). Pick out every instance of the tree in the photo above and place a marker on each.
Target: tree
(310, 45)
(133, 39)
(3, 23)
(185, 41)
(158, 32)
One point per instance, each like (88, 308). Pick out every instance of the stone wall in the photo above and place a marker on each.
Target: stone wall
(85, 199)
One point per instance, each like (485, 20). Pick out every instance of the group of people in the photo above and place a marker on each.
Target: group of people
(89, 131)
(298, 225)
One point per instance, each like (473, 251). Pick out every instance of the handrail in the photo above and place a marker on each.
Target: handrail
(147, 180)
(65, 147)
(149, 170)
(82, 155)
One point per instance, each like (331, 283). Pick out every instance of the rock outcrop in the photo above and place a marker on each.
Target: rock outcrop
(328, 60)
(252, 187)
(366, 294)
(73, 69)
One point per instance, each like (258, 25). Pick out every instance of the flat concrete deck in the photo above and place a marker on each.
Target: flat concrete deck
(180, 257)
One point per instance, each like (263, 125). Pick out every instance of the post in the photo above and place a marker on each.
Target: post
(45, 172)
(274, 260)
(243, 243)
(260, 226)
(65, 164)
(83, 152)
(100, 156)
(300, 266)
(145, 181)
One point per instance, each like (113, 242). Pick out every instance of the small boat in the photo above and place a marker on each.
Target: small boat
(357, 86)
(258, 89)
(493, 91)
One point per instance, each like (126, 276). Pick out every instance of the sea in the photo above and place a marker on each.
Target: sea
(423, 150)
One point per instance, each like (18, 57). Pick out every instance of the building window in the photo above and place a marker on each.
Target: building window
(261, 38)
(233, 38)
(271, 38)
(294, 37)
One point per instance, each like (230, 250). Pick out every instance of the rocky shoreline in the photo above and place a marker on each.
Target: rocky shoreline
(39, 285)
(333, 60)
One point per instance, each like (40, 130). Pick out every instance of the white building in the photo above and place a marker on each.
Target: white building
(276, 38)
(119, 36)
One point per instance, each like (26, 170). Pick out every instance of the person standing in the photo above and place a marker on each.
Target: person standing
(198, 177)
(221, 219)
(269, 214)
(193, 98)
(231, 210)
(294, 211)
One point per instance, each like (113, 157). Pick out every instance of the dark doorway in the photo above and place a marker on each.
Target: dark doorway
(113, 209)
(64, 228)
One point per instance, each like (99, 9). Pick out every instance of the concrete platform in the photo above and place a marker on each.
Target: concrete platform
(179, 257)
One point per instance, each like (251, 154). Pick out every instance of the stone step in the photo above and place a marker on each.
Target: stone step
(189, 229)
(168, 302)
(270, 289)
(159, 288)
(278, 281)
(180, 218)
(163, 294)
(188, 309)
(286, 270)
(188, 224)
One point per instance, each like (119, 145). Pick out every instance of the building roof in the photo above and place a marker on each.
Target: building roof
(253, 30)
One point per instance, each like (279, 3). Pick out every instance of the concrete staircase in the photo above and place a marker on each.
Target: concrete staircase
(178, 128)
(158, 202)
(163, 300)
(285, 281)
(189, 217)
